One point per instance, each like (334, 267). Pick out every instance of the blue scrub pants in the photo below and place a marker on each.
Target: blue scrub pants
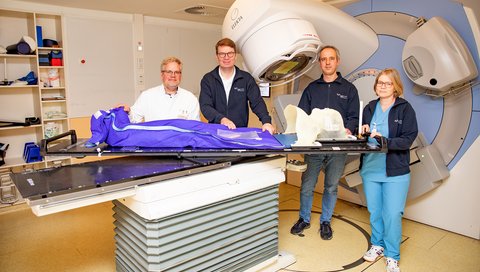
(386, 203)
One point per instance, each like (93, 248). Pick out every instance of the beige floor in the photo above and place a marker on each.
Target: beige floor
(82, 240)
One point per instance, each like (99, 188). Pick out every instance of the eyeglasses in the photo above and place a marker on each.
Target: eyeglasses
(386, 84)
(170, 72)
(223, 55)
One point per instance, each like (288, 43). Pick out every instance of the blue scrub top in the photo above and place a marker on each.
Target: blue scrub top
(374, 165)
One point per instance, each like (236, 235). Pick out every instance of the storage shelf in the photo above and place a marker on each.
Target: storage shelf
(54, 119)
(26, 100)
(50, 48)
(21, 127)
(54, 101)
(18, 56)
(49, 67)
(18, 86)
(16, 162)
(51, 88)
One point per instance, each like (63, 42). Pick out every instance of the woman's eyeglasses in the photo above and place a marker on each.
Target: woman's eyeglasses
(386, 84)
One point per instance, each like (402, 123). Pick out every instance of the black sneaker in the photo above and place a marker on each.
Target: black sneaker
(326, 231)
(298, 228)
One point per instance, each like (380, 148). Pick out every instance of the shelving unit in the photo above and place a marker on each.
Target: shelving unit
(46, 100)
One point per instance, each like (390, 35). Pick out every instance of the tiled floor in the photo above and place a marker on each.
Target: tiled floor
(82, 240)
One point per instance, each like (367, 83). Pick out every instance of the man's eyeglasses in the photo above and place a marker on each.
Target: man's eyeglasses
(172, 73)
(386, 84)
(223, 55)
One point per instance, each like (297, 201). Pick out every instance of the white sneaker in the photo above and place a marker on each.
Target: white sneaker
(373, 253)
(392, 265)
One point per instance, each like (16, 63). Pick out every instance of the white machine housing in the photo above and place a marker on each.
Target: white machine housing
(280, 39)
(435, 57)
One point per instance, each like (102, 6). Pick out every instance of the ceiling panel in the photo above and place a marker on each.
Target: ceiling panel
(215, 10)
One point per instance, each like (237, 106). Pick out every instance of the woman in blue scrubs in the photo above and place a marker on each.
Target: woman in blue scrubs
(386, 177)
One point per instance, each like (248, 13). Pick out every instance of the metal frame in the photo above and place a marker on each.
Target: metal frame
(53, 146)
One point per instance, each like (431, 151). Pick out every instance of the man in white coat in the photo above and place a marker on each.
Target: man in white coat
(167, 101)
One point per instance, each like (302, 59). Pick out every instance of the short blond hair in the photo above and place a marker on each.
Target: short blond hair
(169, 60)
(394, 76)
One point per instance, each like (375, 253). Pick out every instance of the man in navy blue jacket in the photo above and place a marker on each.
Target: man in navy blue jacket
(332, 91)
(227, 91)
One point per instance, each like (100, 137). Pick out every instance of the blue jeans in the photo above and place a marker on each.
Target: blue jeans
(333, 165)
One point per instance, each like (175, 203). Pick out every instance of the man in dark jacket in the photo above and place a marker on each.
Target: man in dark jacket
(227, 91)
(332, 91)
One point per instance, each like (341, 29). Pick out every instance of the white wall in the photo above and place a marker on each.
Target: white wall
(106, 76)
(192, 43)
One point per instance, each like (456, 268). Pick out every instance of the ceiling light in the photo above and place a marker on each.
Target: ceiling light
(205, 10)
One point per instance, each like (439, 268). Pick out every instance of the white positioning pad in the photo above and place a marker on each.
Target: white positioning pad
(321, 124)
